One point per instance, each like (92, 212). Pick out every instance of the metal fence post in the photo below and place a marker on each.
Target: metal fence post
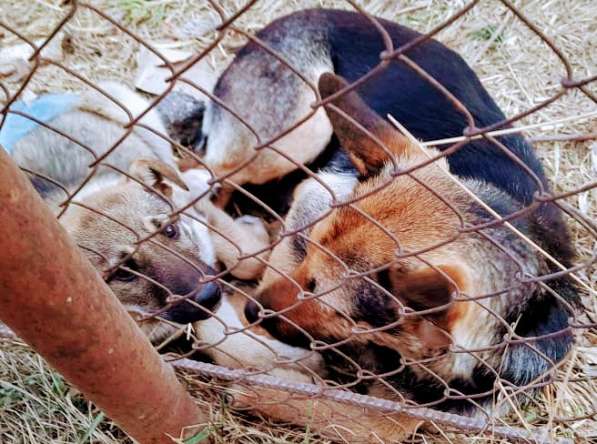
(53, 298)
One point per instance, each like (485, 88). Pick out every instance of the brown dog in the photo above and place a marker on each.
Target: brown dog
(401, 284)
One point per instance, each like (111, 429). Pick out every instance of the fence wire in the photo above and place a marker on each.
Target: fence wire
(345, 380)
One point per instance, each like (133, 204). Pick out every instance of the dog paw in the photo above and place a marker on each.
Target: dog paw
(197, 180)
(255, 224)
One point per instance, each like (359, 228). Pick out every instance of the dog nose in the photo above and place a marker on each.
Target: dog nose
(252, 312)
(276, 327)
(209, 296)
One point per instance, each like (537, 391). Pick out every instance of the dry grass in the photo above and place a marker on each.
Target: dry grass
(37, 406)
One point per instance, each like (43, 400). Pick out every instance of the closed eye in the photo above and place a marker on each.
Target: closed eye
(124, 272)
(310, 286)
(299, 247)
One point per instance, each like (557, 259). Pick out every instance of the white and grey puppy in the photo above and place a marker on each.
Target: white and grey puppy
(111, 213)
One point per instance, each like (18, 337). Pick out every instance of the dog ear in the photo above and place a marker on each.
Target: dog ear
(427, 289)
(369, 139)
(157, 174)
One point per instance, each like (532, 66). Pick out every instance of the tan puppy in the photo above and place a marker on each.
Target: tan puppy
(109, 217)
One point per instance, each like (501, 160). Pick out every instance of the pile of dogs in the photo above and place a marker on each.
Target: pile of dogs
(385, 274)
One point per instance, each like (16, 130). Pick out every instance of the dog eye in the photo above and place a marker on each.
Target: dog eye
(124, 275)
(311, 284)
(170, 231)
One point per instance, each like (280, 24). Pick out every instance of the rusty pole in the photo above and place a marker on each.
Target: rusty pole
(54, 299)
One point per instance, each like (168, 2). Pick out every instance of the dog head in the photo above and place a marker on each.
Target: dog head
(394, 267)
(149, 258)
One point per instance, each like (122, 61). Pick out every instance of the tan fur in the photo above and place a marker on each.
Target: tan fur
(393, 217)
(107, 220)
(269, 164)
(231, 142)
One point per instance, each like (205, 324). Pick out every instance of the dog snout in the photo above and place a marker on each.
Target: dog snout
(279, 328)
(198, 307)
(209, 296)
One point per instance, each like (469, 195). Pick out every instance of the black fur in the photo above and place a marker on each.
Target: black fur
(425, 111)
(373, 305)
(354, 46)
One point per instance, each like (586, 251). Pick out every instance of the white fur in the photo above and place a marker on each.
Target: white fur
(196, 181)
(96, 185)
(135, 104)
(245, 349)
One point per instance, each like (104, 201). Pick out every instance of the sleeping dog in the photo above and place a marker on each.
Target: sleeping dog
(398, 280)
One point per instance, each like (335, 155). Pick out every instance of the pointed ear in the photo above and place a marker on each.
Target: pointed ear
(426, 288)
(157, 174)
(369, 139)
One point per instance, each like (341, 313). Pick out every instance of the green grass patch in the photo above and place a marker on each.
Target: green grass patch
(486, 33)
(140, 11)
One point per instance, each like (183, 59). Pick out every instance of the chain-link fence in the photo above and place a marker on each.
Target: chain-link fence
(367, 296)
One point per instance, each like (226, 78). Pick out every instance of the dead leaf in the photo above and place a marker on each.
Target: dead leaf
(152, 72)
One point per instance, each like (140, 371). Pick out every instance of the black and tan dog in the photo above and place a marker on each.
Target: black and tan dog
(398, 280)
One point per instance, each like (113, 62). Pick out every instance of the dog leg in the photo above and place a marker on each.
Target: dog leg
(232, 238)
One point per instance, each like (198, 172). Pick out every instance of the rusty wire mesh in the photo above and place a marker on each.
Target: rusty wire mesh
(286, 391)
